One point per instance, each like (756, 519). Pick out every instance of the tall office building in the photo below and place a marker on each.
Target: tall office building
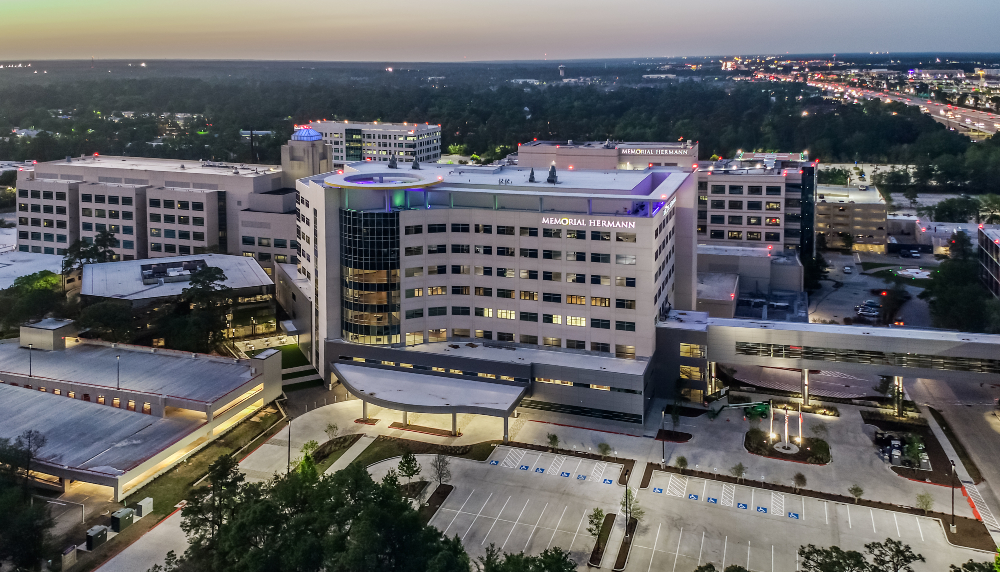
(377, 141)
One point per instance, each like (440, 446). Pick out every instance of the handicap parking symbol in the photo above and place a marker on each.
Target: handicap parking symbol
(539, 470)
(693, 496)
(712, 500)
(525, 467)
(657, 490)
(494, 462)
(762, 509)
(608, 481)
(581, 477)
(794, 515)
(564, 474)
(741, 505)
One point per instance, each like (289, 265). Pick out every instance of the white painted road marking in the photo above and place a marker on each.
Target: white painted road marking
(494, 522)
(557, 527)
(535, 527)
(515, 524)
(728, 492)
(459, 511)
(477, 515)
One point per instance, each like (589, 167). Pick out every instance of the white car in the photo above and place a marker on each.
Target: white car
(848, 270)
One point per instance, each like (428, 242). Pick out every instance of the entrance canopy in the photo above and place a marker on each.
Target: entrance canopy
(421, 393)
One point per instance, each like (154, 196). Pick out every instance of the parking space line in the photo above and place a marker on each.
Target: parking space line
(898, 535)
(577, 466)
(724, 548)
(700, 550)
(704, 489)
(748, 555)
(459, 512)
(577, 531)
(598, 471)
(535, 463)
(777, 504)
(536, 526)
(477, 515)
(803, 508)
(494, 522)
(826, 514)
(772, 558)
(556, 465)
(728, 492)
(676, 486)
(678, 551)
(917, 518)
(653, 555)
(849, 525)
(516, 521)
(557, 527)
(513, 459)
(873, 520)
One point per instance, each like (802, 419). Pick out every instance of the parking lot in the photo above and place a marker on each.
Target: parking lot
(528, 501)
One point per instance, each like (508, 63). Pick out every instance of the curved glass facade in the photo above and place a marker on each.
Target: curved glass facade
(369, 265)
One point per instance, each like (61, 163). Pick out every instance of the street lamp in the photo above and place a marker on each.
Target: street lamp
(119, 358)
(663, 444)
(953, 529)
(30, 347)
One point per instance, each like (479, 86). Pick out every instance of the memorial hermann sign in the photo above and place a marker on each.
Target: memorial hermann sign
(566, 221)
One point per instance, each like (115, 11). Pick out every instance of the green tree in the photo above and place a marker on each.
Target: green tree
(211, 507)
(681, 463)
(196, 322)
(799, 481)
(832, 559)
(892, 556)
(595, 521)
(856, 491)
(82, 252)
(408, 466)
(307, 464)
(553, 440)
(738, 470)
(925, 502)
(973, 566)
(110, 319)
(25, 527)
(331, 431)
(550, 560)
(989, 208)
(630, 506)
(603, 449)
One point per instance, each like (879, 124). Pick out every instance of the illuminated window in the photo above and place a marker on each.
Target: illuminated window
(602, 302)
(506, 314)
(600, 387)
(551, 319)
(573, 299)
(691, 372)
(693, 351)
(414, 338)
(576, 321)
(554, 381)
(439, 335)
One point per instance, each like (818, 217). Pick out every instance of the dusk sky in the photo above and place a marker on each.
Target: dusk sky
(449, 30)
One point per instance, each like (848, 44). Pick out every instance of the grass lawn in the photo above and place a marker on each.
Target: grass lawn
(890, 275)
(385, 448)
(291, 356)
(302, 385)
(303, 373)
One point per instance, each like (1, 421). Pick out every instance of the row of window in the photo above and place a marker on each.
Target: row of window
(718, 234)
(528, 295)
(266, 257)
(524, 231)
(738, 219)
(46, 195)
(500, 272)
(114, 228)
(46, 223)
(924, 361)
(37, 208)
(441, 335)
(524, 316)
(750, 205)
(577, 256)
(179, 205)
(184, 220)
(266, 242)
(39, 250)
(101, 400)
(587, 385)
(108, 199)
(47, 236)
(102, 213)
(738, 189)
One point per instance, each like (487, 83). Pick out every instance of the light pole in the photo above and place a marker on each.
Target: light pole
(119, 360)
(663, 444)
(953, 529)
(30, 347)
(288, 467)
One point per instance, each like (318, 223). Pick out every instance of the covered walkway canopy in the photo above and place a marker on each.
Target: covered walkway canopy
(424, 393)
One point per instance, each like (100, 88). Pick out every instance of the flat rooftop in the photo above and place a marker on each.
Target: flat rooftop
(14, 264)
(375, 125)
(525, 355)
(607, 144)
(427, 392)
(734, 251)
(87, 436)
(851, 194)
(123, 280)
(160, 165)
(168, 373)
(908, 333)
(992, 234)
(717, 286)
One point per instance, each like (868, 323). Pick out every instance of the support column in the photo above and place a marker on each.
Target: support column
(405, 423)
(712, 380)
(505, 437)
(897, 386)
(364, 410)
(805, 387)
(454, 425)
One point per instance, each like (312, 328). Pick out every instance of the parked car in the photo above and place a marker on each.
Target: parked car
(914, 254)
(848, 270)
(904, 253)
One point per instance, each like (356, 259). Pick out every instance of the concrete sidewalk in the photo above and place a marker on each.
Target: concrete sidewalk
(348, 457)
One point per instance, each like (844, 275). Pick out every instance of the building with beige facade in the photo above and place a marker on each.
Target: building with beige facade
(378, 141)
(606, 155)
(858, 212)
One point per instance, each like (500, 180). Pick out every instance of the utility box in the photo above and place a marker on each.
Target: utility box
(144, 507)
(122, 519)
(925, 462)
(68, 557)
(897, 457)
(97, 536)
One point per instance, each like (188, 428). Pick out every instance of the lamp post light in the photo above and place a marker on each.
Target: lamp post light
(119, 359)
(663, 444)
(30, 347)
(953, 529)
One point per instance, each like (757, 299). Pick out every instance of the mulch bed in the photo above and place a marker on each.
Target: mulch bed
(602, 540)
(940, 473)
(420, 429)
(424, 448)
(332, 446)
(800, 456)
(367, 421)
(673, 436)
(435, 501)
(971, 533)
(626, 546)
(412, 489)
(627, 464)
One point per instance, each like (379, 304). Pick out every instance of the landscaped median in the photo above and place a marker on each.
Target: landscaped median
(597, 555)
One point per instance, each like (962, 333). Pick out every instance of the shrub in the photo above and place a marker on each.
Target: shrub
(820, 450)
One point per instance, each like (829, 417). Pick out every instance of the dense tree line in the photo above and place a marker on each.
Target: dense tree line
(24, 526)
(490, 120)
(957, 299)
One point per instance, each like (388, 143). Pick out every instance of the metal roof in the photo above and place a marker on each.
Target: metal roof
(123, 280)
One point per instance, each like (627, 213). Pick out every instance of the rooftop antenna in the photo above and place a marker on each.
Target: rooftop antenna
(251, 145)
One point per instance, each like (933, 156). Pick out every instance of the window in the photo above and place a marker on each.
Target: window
(552, 342)
(625, 326)
(529, 253)
(437, 249)
(505, 337)
(529, 317)
(248, 241)
(624, 237)
(772, 206)
(484, 312)
(600, 279)
(552, 232)
(772, 236)
(736, 205)
(575, 299)
(413, 229)
(755, 190)
(460, 290)
(484, 334)
(183, 220)
(718, 204)
(576, 234)
(155, 232)
(552, 297)
(265, 242)
(84, 198)
(437, 311)
(576, 278)
(167, 232)
(47, 209)
(198, 221)
(172, 248)
(718, 189)
(754, 205)
(719, 234)
(625, 352)
(753, 220)
(480, 249)
(155, 246)
(529, 231)
(717, 219)
(600, 347)
(438, 335)
(552, 254)
(625, 259)
(774, 191)
(506, 314)
(505, 272)
(484, 271)
(505, 230)
(600, 235)
(529, 274)
(599, 301)
(436, 228)
(505, 251)
(84, 212)
(753, 235)
(126, 244)
(693, 350)
(459, 227)
(280, 243)
(528, 295)
(772, 221)
(480, 291)
(414, 292)
(460, 249)
(464, 333)
(527, 339)
(735, 220)
(437, 290)
(87, 226)
(625, 304)
(690, 372)
(194, 235)
(504, 293)
(576, 345)
(735, 235)
(168, 203)
(484, 228)
(599, 257)
(459, 269)
(551, 319)
(576, 321)
(552, 276)
(580, 256)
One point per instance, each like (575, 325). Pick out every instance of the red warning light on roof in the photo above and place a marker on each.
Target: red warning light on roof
(95, 154)
(571, 167)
